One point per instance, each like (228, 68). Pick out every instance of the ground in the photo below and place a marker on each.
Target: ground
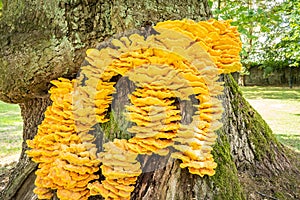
(10, 139)
(280, 108)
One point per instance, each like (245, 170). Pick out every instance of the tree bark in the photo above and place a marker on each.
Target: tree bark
(264, 165)
(44, 40)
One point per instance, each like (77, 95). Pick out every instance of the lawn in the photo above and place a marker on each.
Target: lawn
(280, 107)
(10, 129)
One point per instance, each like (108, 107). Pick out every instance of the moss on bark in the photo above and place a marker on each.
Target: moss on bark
(265, 167)
(259, 133)
(226, 172)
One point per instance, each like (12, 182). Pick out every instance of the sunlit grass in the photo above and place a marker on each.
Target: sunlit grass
(10, 129)
(284, 93)
(280, 107)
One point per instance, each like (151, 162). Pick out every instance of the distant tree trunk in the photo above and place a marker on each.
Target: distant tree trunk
(291, 78)
(241, 80)
(43, 40)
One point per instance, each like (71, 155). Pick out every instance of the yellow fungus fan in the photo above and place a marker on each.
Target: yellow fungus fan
(120, 168)
(181, 60)
(218, 38)
(150, 106)
(195, 150)
(67, 158)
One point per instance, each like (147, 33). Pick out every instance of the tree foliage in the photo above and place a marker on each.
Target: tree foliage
(0, 8)
(270, 30)
(290, 43)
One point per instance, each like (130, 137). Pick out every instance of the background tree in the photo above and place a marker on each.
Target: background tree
(270, 31)
(288, 32)
(43, 40)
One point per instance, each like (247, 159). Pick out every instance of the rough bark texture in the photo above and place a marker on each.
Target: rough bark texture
(43, 40)
(265, 166)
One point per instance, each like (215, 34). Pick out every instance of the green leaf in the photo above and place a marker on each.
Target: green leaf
(210, 3)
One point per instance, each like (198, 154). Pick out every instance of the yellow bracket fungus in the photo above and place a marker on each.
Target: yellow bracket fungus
(181, 59)
(67, 158)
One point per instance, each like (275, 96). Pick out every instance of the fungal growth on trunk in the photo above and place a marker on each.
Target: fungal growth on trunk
(173, 62)
(66, 156)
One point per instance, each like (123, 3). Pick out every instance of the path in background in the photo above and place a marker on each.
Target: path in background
(280, 108)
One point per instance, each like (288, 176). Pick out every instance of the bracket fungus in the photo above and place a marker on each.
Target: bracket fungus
(218, 38)
(67, 158)
(121, 169)
(178, 60)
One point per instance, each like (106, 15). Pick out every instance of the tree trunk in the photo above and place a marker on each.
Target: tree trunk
(44, 40)
(266, 168)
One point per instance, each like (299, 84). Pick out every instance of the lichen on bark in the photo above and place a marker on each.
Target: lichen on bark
(43, 40)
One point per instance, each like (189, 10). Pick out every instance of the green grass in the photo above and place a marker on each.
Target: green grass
(10, 129)
(283, 93)
(280, 107)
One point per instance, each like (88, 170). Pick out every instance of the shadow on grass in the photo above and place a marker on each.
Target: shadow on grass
(256, 92)
(290, 140)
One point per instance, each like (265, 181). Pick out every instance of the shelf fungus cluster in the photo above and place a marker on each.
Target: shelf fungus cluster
(153, 109)
(121, 169)
(67, 158)
(218, 38)
(177, 61)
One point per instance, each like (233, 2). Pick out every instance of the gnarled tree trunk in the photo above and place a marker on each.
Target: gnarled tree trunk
(43, 40)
